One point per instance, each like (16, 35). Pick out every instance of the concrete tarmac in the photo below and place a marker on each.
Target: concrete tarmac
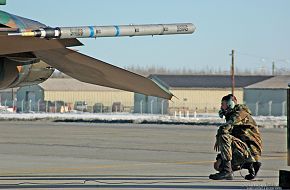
(42, 155)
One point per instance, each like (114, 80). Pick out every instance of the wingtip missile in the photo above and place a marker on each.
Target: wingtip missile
(109, 31)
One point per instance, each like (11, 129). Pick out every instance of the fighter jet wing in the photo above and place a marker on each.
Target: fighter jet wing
(90, 70)
(18, 44)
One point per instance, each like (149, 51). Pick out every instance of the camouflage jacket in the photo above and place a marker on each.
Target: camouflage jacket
(240, 124)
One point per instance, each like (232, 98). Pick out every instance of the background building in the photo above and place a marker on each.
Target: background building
(6, 96)
(268, 97)
(200, 93)
(150, 104)
(72, 93)
(265, 95)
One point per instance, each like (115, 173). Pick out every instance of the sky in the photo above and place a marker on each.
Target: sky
(258, 30)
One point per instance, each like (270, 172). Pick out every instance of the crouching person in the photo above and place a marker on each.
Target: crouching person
(238, 141)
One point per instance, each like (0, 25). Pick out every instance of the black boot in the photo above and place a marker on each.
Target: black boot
(226, 173)
(236, 168)
(222, 175)
(253, 169)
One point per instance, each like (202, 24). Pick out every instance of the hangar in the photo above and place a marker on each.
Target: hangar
(265, 95)
(200, 93)
(70, 91)
(268, 97)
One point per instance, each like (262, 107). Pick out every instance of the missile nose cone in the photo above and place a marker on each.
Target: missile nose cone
(187, 28)
(192, 28)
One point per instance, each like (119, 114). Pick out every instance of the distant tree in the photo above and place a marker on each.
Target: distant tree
(148, 70)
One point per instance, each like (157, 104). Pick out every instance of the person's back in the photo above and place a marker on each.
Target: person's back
(246, 129)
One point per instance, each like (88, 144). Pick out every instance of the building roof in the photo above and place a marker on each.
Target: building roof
(71, 84)
(277, 82)
(9, 90)
(207, 81)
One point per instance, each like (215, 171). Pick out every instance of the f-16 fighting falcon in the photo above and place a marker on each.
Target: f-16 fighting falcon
(30, 51)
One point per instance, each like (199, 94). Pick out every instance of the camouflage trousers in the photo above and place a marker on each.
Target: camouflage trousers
(234, 150)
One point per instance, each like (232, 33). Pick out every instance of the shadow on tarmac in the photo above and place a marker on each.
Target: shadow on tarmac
(118, 182)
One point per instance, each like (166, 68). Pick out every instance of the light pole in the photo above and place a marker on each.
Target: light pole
(233, 71)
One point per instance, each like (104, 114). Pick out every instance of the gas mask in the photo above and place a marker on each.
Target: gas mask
(227, 105)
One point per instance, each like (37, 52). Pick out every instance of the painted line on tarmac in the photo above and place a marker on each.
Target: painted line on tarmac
(274, 158)
(108, 166)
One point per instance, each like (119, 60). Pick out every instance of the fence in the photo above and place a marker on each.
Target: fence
(61, 107)
(188, 109)
(269, 108)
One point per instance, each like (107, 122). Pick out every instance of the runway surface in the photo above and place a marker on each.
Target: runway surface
(44, 154)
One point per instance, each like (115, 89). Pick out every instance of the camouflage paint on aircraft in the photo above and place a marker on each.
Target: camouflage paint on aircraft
(13, 21)
(2, 2)
(5, 19)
